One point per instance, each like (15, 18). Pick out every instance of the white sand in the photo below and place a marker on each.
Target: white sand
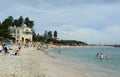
(33, 63)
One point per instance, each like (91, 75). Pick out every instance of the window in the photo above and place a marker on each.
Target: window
(18, 32)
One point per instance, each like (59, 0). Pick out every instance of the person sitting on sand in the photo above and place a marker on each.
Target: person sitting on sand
(17, 52)
(5, 49)
(19, 48)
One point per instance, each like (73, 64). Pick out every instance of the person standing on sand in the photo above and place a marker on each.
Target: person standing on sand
(46, 50)
(101, 56)
(59, 49)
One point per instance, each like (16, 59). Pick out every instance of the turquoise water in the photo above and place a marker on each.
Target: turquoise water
(88, 56)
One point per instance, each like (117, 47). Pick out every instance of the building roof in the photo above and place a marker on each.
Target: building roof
(24, 26)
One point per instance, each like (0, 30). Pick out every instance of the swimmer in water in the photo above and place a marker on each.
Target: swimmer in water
(97, 55)
(107, 57)
(101, 56)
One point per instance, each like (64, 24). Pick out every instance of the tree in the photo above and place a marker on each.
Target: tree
(34, 36)
(55, 34)
(0, 23)
(4, 28)
(28, 22)
(7, 22)
(50, 34)
(11, 20)
(5, 33)
(45, 34)
(31, 24)
(20, 20)
(16, 22)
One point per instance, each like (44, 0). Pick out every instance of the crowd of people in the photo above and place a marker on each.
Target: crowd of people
(5, 49)
(42, 48)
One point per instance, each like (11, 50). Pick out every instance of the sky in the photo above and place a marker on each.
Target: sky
(90, 21)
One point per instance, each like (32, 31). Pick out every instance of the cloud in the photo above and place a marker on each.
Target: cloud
(110, 35)
(114, 29)
(90, 23)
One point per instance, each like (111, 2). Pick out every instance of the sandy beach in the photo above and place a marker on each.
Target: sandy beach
(34, 63)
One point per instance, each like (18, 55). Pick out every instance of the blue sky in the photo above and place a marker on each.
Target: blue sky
(91, 21)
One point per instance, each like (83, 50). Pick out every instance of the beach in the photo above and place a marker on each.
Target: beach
(71, 62)
(35, 63)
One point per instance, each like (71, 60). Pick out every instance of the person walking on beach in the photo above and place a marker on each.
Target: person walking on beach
(101, 56)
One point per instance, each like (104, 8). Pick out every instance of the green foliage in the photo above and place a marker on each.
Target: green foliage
(38, 38)
(55, 34)
(4, 31)
(46, 34)
(0, 24)
(47, 38)
(50, 34)
(20, 21)
(7, 22)
(15, 22)
(34, 36)
(28, 22)
(72, 42)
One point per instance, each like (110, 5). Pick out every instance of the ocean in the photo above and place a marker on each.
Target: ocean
(85, 58)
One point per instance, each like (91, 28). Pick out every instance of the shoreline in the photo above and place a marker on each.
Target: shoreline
(65, 46)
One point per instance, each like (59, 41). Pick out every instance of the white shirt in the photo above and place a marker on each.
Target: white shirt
(1, 48)
(101, 56)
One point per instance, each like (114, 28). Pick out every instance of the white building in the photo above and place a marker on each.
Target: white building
(21, 34)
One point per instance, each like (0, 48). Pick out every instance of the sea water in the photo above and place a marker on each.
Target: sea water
(92, 65)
